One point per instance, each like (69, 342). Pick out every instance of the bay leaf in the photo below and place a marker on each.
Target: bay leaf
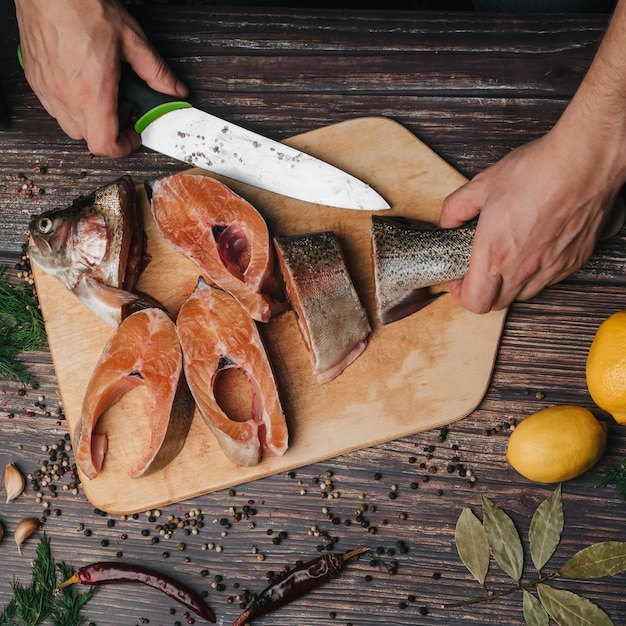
(605, 558)
(471, 544)
(545, 530)
(534, 613)
(570, 609)
(503, 539)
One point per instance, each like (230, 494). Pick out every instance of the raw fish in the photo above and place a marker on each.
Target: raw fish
(216, 334)
(223, 234)
(410, 256)
(332, 320)
(143, 350)
(95, 247)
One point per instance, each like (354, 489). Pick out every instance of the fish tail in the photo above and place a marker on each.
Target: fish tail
(410, 257)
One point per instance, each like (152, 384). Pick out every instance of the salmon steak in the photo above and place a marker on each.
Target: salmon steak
(143, 350)
(223, 234)
(332, 320)
(217, 334)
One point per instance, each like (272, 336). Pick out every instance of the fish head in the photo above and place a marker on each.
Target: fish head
(68, 243)
(98, 236)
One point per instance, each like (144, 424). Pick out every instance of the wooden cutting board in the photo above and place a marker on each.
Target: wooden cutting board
(423, 372)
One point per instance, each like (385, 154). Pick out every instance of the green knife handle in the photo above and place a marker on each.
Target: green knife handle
(148, 104)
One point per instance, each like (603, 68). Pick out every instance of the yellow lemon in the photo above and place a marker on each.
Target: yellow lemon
(606, 366)
(557, 444)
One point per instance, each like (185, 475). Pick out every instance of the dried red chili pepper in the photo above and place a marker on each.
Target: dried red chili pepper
(114, 572)
(296, 583)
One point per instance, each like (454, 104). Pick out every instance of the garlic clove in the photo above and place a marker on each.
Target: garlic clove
(14, 482)
(24, 530)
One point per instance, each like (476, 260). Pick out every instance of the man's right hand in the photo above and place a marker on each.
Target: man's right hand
(72, 52)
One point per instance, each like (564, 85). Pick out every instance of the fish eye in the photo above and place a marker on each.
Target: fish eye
(44, 225)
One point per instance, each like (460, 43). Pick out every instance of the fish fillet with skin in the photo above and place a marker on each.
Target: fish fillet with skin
(333, 322)
(95, 248)
(143, 350)
(223, 234)
(409, 256)
(217, 334)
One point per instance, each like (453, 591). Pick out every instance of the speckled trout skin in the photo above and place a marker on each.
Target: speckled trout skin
(332, 320)
(410, 256)
(95, 247)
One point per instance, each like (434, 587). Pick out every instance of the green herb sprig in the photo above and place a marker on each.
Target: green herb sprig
(615, 477)
(496, 535)
(36, 602)
(21, 329)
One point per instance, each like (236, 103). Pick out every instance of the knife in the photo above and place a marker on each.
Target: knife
(177, 129)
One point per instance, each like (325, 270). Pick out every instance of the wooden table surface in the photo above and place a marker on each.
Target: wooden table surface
(472, 86)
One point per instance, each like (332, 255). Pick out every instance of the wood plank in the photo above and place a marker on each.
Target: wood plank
(591, 514)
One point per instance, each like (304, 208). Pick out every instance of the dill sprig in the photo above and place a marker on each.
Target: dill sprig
(615, 477)
(21, 329)
(36, 602)
(69, 604)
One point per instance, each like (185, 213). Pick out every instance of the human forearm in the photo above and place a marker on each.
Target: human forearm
(595, 119)
(543, 206)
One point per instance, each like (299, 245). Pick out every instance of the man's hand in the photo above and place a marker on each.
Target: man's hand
(543, 206)
(72, 51)
(542, 209)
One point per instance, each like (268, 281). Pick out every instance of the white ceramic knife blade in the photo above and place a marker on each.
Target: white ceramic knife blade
(180, 131)
(206, 141)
